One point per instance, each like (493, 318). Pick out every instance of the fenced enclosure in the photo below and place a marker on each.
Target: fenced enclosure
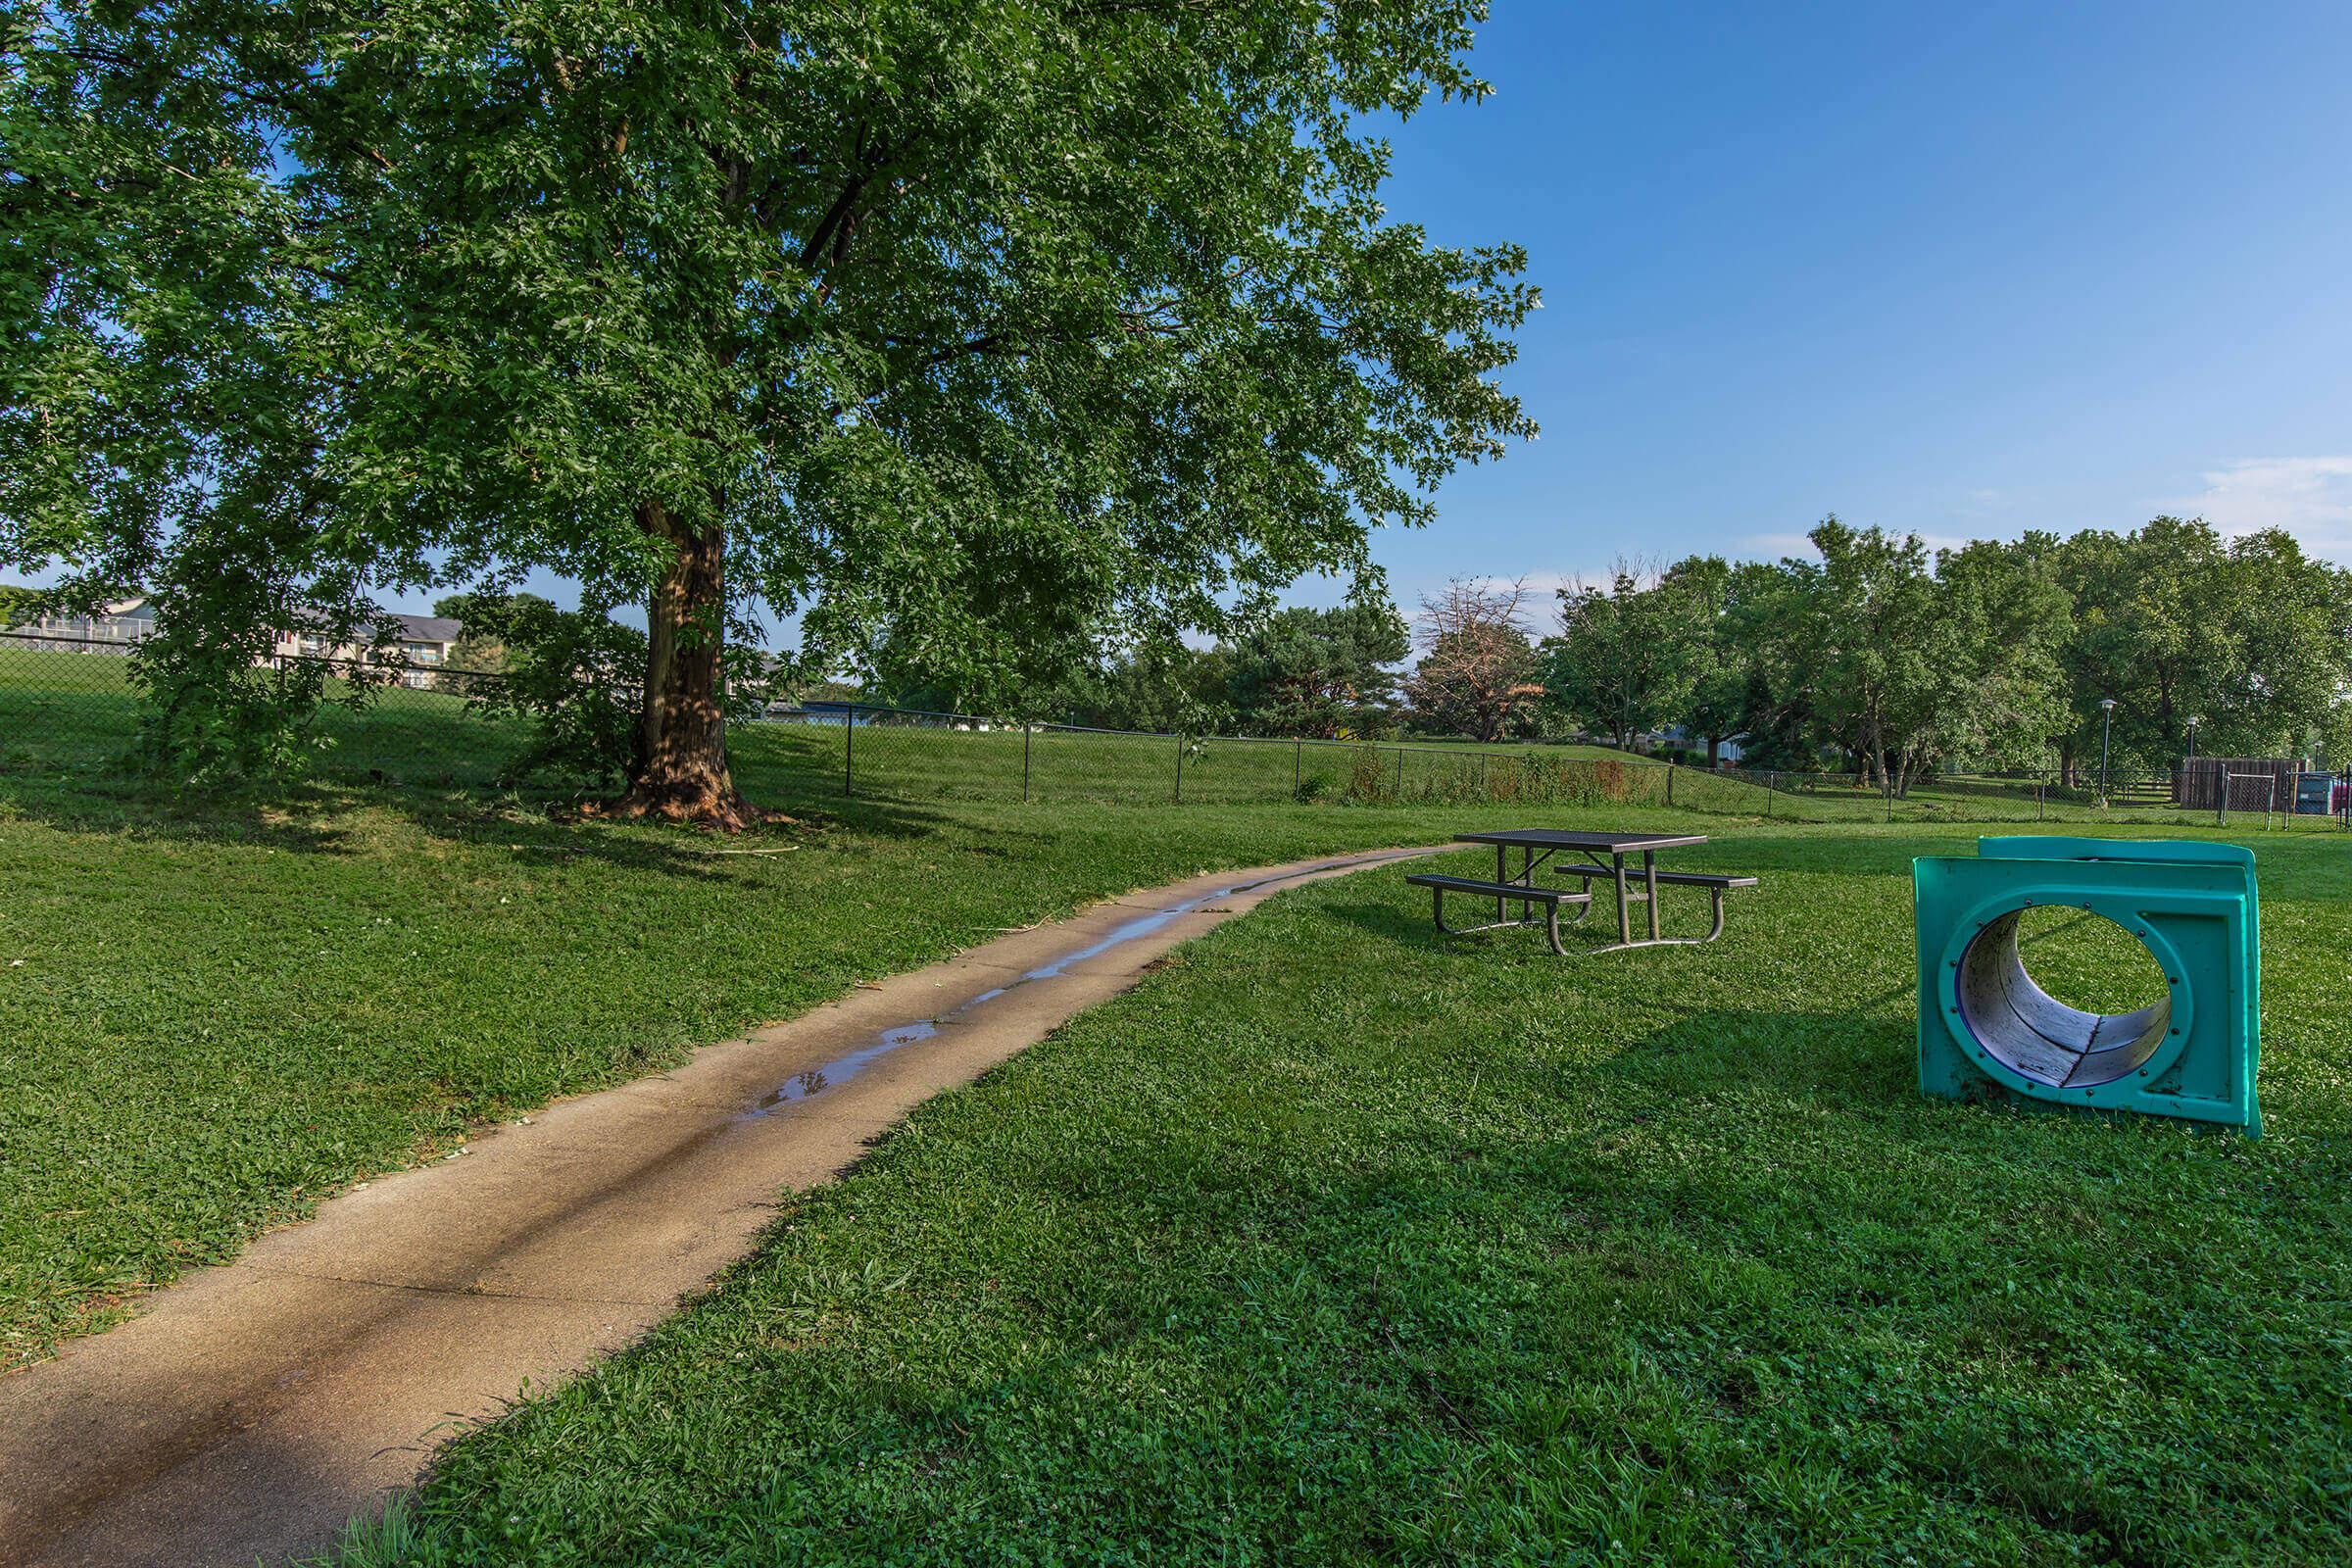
(69, 711)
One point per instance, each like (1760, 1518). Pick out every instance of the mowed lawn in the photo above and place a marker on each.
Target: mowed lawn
(217, 1014)
(1337, 1242)
(68, 721)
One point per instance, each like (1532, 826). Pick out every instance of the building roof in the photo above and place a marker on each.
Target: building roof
(428, 628)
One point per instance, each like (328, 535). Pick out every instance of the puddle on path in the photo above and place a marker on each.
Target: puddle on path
(840, 1069)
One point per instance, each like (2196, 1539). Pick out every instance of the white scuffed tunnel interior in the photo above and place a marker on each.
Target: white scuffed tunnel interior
(2038, 1037)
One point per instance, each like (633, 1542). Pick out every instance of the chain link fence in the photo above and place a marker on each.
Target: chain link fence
(2277, 799)
(899, 754)
(67, 709)
(896, 753)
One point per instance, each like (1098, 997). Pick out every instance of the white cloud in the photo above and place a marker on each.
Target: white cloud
(1543, 587)
(1774, 546)
(2309, 497)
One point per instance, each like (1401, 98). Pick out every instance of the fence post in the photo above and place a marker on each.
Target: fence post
(1771, 786)
(1297, 765)
(1669, 783)
(1179, 770)
(848, 754)
(2042, 790)
(1027, 729)
(1401, 773)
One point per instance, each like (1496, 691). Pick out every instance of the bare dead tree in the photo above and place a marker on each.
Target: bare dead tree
(1476, 673)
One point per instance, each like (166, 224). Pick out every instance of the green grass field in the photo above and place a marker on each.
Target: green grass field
(220, 1010)
(68, 720)
(1337, 1242)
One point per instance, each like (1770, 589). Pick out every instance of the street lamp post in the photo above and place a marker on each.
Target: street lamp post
(2106, 728)
(2192, 740)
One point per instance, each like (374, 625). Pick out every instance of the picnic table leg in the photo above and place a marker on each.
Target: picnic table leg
(1649, 874)
(1500, 866)
(1625, 913)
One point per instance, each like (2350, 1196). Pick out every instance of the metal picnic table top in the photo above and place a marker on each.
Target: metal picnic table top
(1546, 838)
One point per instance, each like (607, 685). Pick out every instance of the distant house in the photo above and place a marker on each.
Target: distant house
(1682, 736)
(111, 629)
(424, 643)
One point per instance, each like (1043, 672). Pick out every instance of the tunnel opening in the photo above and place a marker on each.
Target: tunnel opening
(2019, 1024)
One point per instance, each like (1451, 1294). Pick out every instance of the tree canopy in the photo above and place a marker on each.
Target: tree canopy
(1991, 653)
(977, 333)
(1629, 651)
(1319, 673)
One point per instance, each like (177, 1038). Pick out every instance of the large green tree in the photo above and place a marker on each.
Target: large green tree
(969, 331)
(1858, 628)
(1994, 694)
(2249, 636)
(1630, 651)
(1322, 672)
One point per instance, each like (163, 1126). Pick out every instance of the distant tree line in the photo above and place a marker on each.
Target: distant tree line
(1877, 656)
(1891, 660)
(1324, 673)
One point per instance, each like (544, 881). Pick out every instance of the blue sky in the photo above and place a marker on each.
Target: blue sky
(1957, 268)
(1964, 270)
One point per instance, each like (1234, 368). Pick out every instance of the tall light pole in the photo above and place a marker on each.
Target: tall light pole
(2106, 727)
(2192, 740)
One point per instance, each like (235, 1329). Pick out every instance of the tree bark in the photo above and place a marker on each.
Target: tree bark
(681, 771)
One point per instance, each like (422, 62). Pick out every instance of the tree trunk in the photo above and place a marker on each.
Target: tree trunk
(1714, 752)
(681, 768)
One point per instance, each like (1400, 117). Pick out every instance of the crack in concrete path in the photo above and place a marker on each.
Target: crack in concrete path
(254, 1408)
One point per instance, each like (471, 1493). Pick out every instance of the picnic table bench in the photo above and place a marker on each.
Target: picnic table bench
(1538, 846)
(1716, 886)
(1501, 892)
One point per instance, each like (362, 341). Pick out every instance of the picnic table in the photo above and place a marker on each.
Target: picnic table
(1596, 857)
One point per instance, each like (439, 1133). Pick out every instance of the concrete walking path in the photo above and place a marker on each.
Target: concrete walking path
(256, 1407)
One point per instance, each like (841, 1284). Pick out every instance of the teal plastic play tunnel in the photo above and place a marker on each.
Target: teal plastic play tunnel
(1988, 1030)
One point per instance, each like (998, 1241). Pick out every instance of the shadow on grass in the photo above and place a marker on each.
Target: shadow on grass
(326, 816)
(1846, 1062)
(1851, 1059)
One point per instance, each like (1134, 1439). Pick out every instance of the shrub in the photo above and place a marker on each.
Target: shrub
(222, 706)
(572, 674)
